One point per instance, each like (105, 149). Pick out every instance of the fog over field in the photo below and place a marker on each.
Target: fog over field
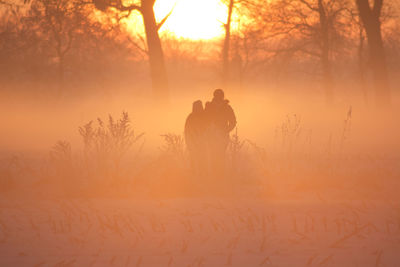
(108, 159)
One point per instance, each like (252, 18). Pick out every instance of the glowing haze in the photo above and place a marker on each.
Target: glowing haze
(191, 19)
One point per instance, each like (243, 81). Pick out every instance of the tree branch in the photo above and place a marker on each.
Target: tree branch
(377, 8)
(309, 5)
(117, 4)
(120, 6)
(137, 46)
(161, 23)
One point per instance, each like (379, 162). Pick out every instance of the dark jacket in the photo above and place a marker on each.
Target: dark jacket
(195, 127)
(221, 115)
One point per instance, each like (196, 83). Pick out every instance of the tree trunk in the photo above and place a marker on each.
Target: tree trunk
(60, 90)
(325, 48)
(361, 65)
(371, 20)
(226, 48)
(327, 79)
(158, 71)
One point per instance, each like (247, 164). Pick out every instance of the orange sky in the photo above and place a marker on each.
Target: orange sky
(192, 19)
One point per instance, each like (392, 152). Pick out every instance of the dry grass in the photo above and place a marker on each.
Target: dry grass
(197, 232)
(292, 203)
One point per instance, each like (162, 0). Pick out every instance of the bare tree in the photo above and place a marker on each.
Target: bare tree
(62, 46)
(361, 61)
(10, 16)
(359, 43)
(155, 53)
(227, 40)
(58, 22)
(239, 46)
(371, 19)
(313, 28)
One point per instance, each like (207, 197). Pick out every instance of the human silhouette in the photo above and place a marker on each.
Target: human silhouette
(195, 132)
(221, 120)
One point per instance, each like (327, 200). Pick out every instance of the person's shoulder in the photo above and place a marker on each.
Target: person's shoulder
(189, 117)
(226, 104)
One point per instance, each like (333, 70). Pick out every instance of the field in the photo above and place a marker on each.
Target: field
(320, 192)
(347, 222)
(199, 232)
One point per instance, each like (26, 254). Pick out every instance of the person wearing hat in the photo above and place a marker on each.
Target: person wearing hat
(221, 121)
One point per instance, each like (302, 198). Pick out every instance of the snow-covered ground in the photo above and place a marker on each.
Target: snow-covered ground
(202, 231)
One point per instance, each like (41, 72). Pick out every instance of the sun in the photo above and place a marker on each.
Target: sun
(190, 19)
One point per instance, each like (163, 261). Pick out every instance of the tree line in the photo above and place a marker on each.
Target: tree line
(60, 39)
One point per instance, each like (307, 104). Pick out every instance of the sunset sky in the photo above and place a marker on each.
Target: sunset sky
(191, 19)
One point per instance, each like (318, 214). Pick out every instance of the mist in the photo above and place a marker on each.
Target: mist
(107, 157)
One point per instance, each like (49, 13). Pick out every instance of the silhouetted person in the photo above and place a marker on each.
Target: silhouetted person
(195, 131)
(221, 121)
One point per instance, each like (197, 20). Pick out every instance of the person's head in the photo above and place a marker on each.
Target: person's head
(219, 94)
(197, 106)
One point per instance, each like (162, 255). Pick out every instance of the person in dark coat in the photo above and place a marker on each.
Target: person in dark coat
(221, 120)
(195, 132)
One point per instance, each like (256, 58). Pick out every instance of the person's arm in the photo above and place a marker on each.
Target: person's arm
(231, 119)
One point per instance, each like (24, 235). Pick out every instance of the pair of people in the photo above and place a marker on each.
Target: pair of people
(207, 133)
